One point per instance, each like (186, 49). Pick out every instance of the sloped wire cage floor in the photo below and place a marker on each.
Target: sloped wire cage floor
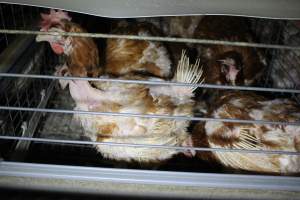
(20, 54)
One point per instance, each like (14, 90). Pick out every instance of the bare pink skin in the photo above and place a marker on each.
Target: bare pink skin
(57, 48)
(232, 72)
(82, 91)
(189, 143)
(231, 75)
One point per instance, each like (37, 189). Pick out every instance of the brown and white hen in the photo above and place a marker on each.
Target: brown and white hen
(81, 53)
(248, 106)
(137, 99)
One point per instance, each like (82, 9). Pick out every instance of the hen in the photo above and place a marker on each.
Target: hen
(125, 56)
(224, 64)
(176, 26)
(82, 56)
(236, 105)
(180, 26)
(137, 99)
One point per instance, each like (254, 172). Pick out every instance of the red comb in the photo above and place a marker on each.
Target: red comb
(54, 17)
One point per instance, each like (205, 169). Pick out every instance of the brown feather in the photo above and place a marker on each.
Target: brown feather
(124, 56)
(84, 57)
(199, 139)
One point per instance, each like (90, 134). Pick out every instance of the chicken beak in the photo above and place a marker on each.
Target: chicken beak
(49, 38)
(222, 61)
(41, 38)
(226, 62)
(55, 40)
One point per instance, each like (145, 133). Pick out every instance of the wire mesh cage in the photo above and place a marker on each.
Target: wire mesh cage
(36, 115)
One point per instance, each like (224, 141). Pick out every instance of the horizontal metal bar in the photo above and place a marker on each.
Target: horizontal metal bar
(151, 146)
(199, 85)
(132, 176)
(154, 38)
(64, 111)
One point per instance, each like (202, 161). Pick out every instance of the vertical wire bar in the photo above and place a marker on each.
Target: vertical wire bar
(296, 98)
(14, 117)
(23, 17)
(18, 125)
(40, 89)
(285, 71)
(289, 61)
(293, 58)
(19, 101)
(27, 99)
(35, 90)
(23, 96)
(274, 52)
(31, 14)
(43, 59)
(6, 98)
(37, 10)
(11, 122)
(10, 99)
(2, 123)
(13, 15)
(3, 24)
(5, 115)
(18, 116)
(8, 91)
(287, 82)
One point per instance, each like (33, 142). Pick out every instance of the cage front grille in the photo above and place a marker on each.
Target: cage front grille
(58, 131)
(16, 17)
(21, 55)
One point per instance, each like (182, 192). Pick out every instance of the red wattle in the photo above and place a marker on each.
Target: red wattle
(57, 48)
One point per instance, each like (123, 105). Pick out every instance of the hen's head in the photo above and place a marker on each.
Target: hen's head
(53, 18)
(56, 21)
(231, 67)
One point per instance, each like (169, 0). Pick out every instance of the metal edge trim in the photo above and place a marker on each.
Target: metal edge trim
(213, 180)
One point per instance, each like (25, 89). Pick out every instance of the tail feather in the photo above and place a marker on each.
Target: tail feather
(188, 73)
(185, 73)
